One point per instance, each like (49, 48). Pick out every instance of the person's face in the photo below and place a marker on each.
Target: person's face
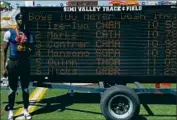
(19, 21)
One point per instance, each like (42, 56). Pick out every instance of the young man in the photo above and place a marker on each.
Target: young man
(19, 41)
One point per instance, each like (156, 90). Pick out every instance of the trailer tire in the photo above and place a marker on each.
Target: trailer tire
(127, 108)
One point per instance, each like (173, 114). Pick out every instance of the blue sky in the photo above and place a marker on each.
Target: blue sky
(52, 2)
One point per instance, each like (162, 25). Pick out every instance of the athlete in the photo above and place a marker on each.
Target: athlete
(20, 43)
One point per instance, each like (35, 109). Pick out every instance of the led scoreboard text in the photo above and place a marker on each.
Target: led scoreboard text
(135, 41)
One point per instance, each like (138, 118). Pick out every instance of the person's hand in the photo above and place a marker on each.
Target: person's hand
(5, 73)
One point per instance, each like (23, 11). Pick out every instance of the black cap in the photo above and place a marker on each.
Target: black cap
(18, 16)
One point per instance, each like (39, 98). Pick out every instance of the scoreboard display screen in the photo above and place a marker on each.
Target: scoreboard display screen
(119, 41)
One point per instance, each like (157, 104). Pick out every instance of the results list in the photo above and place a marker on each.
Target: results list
(104, 43)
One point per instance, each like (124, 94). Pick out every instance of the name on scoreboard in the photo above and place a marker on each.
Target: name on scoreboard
(104, 8)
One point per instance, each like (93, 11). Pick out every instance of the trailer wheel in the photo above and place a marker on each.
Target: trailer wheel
(120, 103)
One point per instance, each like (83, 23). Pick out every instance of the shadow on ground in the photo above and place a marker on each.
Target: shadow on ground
(60, 104)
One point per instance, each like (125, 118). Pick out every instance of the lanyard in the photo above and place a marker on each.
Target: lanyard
(20, 39)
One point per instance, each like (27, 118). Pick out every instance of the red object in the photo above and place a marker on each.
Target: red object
(166, 84)
(157, 85)
(18, 39)
(124, 2)
(117, 2)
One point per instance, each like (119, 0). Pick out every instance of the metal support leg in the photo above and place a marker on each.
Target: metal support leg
(148, 109)
(71, 91)
(138, 85)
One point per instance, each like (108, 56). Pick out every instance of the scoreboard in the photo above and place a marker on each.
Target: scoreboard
(119, 41)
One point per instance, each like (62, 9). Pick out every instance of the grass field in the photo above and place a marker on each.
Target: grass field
(58, 105)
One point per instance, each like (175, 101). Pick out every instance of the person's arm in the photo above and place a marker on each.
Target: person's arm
(5, 48)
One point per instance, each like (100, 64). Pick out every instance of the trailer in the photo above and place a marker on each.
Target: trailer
(108, 45)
